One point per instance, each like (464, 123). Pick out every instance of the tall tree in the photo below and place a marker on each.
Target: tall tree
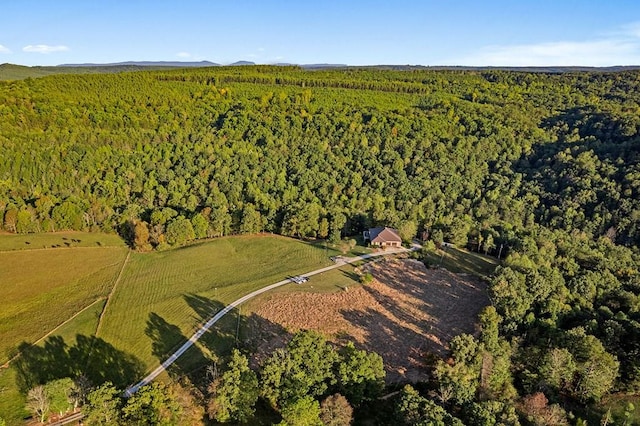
(141, 236)
(234, 394)
(413, 409)
(335, 410)
(305, 367)
(304, 411)
(179, 231)
(153, 404)
(103, 406)
(38, 402)
(360, 374)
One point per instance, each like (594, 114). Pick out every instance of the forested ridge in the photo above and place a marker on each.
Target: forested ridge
(543, 167)
(470, 152)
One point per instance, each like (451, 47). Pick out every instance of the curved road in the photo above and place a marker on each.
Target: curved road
(162, 367)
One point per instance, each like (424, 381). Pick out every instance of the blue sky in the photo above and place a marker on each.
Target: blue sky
(456, 32)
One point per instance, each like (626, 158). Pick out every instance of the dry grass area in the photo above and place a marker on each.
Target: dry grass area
(407, 312)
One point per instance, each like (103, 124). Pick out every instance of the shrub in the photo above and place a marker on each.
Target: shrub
(366, 278)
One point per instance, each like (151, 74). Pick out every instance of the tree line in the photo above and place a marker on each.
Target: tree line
(308, 381)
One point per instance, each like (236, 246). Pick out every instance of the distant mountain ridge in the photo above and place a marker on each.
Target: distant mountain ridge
(145, 64)
(399, 67)
(241, 63)
(18, 72)
(202, 64)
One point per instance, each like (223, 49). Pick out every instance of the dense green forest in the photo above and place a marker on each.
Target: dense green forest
(541, 168)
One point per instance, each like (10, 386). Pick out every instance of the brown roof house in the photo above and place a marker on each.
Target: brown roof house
(383, 237)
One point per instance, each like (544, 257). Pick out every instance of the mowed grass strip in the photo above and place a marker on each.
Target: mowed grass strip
(182, 288)
(84, 323)
(43, 288)
(67, 239)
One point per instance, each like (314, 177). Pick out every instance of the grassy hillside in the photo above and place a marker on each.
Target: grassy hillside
(161, 298)
(179, 288)
(43, 288)
(48, 277)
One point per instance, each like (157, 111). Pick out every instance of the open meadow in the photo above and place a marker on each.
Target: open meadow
(158, 302)
(44, 286)
(63, 239)
(164, 296)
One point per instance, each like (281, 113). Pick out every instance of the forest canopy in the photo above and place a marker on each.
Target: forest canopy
(209, 152)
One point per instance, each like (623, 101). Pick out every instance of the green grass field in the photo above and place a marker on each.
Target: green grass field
(12, 402)
(164, 296)
(160, 300)
(43, 288)
(328, 282)
(67, 239)
(85, 323)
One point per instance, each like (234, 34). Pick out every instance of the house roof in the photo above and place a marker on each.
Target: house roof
(383, 235)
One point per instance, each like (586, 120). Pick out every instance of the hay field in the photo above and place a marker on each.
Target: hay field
(43, 288)
(162, 297)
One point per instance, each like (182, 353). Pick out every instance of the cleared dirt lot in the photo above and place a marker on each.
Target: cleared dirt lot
(405, 313)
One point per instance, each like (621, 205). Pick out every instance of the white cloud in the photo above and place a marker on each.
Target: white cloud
(4, 49)
(44, 48)
(616, 48)
(183, 55)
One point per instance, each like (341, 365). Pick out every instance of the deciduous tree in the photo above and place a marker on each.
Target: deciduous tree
(234, 394)
(38, 402)
(103, 406)
(335, 410)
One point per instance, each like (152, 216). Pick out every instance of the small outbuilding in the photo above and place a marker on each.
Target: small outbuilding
(383, 237)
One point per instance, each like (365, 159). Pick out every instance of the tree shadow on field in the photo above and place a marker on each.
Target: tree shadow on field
(249, 332)
(203, 307)
(214, 344)
(105, 363)
(448, 303)
(234, 330)
(224, 335)
(261, 337)
(351, 275)
(166, 339)
(90, 356)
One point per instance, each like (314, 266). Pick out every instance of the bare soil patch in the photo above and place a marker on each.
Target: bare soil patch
(407, 312)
